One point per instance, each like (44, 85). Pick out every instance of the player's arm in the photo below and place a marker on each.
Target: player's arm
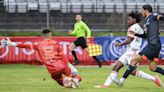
(130, 37)
(28, 46)
(8, 42)
(72, 32)
(160, 17)
(141, 35)
(88, 31)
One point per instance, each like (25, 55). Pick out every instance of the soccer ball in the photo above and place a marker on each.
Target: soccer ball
(69, 82)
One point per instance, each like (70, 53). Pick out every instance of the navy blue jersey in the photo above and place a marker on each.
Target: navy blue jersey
(151, 28)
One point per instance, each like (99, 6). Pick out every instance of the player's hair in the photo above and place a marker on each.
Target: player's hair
(136, 16)
(147, 7)
(45, 31)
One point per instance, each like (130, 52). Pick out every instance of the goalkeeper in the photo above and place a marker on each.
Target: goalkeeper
(83, 33)
(52, 57)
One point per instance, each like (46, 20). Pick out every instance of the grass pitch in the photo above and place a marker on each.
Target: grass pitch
(29, 78)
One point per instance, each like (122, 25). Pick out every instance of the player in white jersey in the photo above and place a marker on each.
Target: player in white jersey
(133, 44)
(133, 47)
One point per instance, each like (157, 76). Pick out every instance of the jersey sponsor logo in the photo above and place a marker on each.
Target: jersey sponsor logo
(49, 52)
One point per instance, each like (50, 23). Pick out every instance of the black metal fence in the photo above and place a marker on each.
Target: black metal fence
(100, 15)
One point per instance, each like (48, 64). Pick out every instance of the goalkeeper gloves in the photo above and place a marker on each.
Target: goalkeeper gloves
(7, 43)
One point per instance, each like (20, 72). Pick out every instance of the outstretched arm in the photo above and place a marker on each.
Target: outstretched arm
(28, 46)
(130, 36)
(127, 41)
(160, 17)
(8, 42)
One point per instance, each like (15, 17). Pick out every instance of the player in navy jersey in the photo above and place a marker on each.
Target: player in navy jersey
(151, 51)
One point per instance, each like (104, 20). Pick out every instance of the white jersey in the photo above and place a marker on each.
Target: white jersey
(137, 41)
(134, 46)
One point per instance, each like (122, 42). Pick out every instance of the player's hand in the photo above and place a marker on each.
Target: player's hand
(4, 42)
(69, 32)
(118, 44)
(7, 42)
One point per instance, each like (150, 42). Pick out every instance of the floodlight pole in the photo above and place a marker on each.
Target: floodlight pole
(124, 13)
(48, 16)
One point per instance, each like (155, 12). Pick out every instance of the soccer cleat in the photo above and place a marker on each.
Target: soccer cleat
(76, 62)
(101, 86)
(75, 82)
(117, 81)
(158, 81)
(77, 76)
(100, 64)
(120, 84)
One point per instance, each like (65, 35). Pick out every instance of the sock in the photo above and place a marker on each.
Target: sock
(95, 58)
(73, 69)
(160, 70)
(74, 55)
(144, 75)
(99, 63)
(128, 71)
(108, 81)
(78, 77)
(122, 80)
(114, 77)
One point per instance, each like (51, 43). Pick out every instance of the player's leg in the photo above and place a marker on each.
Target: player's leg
(153, 67)
(74, 72)
(83, 44)
(115, 70)
(112, 76)
(94, 57)
(149, 52)
(144, 75)
(75, 79)
(71, 48)
(57, 76)
(137, 59)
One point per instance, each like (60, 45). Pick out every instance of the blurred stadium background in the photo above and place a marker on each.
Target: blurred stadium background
(100, 15)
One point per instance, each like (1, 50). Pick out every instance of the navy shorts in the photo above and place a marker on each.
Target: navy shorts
(151, 51)
(80, 42)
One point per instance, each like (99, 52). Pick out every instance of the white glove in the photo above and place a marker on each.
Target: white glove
(7, 42)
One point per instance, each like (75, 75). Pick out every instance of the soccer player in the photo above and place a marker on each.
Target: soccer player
(80, 30)
(51, 55)
(133, 47)
(152, 49)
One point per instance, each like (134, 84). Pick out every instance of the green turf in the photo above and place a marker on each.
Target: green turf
(28, 78)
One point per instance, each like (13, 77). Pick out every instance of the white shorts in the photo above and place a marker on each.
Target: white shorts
(127, 56)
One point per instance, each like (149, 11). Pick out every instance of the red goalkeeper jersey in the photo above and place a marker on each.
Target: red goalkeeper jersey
(51, 54)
